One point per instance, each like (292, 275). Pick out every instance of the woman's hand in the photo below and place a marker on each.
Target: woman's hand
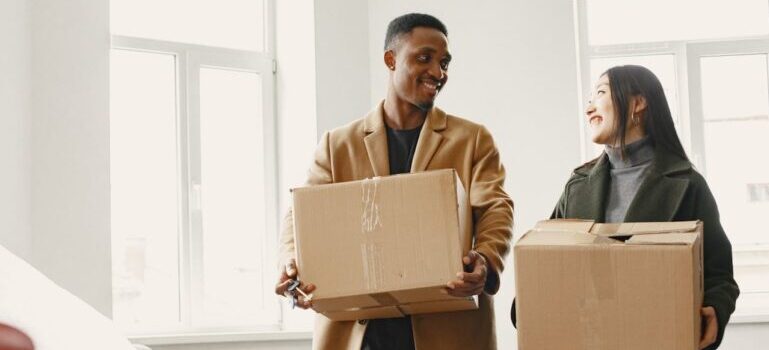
(709, 327)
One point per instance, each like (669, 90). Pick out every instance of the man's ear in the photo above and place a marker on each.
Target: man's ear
(389, 59)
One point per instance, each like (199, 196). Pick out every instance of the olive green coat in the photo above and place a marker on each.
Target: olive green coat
(671, 191)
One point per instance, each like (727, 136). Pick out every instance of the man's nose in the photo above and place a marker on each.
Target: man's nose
(437, 72)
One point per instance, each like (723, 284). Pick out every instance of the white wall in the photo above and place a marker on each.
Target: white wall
(70, 146)
(341, 62)
(15, 141)
(514, 70)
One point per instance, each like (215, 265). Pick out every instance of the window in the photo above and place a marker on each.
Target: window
(192, 164)
(714, 73)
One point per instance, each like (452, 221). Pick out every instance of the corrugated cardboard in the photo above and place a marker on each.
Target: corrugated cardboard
(383, 247)
(582, 285)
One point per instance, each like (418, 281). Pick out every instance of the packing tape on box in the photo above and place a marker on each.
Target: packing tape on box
(384, 299)
(599, 263)
(373, 273)
(370, 219)
(602, 273)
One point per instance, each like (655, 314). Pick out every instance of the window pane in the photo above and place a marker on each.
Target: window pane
(663, 66)
(735, 102)
(736, 108)
(738, 175)
(734, 87)
(237, 24)
(232, 193)
(619, 22)
(144, 184)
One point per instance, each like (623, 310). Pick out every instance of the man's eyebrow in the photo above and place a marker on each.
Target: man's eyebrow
(429, 49)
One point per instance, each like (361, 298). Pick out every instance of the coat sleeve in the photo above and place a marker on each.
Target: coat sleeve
(491, 206)
(319, 173)
(721, 290)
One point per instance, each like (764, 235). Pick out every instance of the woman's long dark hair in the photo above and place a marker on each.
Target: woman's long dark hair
(628, 81)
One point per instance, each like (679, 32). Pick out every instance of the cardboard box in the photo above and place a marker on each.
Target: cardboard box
(383, 247)
(581, 285)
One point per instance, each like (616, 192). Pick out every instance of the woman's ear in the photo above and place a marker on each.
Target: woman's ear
(389, 59)
(638, 104)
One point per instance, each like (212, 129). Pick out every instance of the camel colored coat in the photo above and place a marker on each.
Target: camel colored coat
(358, 151)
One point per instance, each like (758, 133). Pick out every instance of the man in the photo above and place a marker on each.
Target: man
(405, 133)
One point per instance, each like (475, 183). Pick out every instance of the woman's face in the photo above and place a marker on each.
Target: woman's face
(600, 113)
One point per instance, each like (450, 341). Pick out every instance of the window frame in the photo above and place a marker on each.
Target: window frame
(189, 58)
(689, 99)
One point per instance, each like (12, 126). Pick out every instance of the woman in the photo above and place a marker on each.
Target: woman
(644, 175)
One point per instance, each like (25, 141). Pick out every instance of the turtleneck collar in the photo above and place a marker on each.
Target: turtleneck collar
(636, 153)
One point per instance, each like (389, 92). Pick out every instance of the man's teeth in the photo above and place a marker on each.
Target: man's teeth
(431, 85)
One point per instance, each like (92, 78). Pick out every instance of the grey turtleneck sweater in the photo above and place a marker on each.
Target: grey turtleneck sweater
(626, 176)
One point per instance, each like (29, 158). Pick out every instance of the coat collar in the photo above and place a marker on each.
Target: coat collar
(376, 140)
(657, 199)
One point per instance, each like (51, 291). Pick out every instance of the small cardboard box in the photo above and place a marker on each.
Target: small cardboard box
(383, 247)
(583, 285)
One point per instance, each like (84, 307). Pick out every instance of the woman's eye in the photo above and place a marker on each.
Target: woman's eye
(423, 58)
(445, 65)
(599, 92)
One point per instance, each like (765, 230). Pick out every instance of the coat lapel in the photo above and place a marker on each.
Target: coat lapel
(660, 194)
(376, 141)
(429, 140)
(594, 189)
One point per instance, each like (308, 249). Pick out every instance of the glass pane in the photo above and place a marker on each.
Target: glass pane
(237, 24)
(232, 194)
(736, 108)
(144, 189)
(734, 87)
(663, 66)
(620, 22)
(738, 175)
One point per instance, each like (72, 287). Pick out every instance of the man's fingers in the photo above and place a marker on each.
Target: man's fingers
(464, 291)
(281, 288)
(291, 268)
(470, 258)
(460, 288)
(471, 277)
(303, 303)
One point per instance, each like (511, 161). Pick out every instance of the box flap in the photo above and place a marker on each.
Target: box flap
(642, 228)
(564, 225)
(556, 238)
(683, 238)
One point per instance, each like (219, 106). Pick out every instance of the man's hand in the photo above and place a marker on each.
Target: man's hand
(286, 276)
(709, 327)
(469, 283)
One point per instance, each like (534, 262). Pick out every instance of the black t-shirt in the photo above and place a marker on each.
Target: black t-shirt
(394, 333)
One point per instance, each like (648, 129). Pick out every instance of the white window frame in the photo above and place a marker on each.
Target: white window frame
(189, 58)
(688, 83)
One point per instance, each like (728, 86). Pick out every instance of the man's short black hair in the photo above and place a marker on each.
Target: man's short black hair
(406, 23)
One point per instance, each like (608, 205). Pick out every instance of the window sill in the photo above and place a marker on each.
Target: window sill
(208, 338)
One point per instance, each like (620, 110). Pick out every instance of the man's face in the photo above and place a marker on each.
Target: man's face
(421, 64)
